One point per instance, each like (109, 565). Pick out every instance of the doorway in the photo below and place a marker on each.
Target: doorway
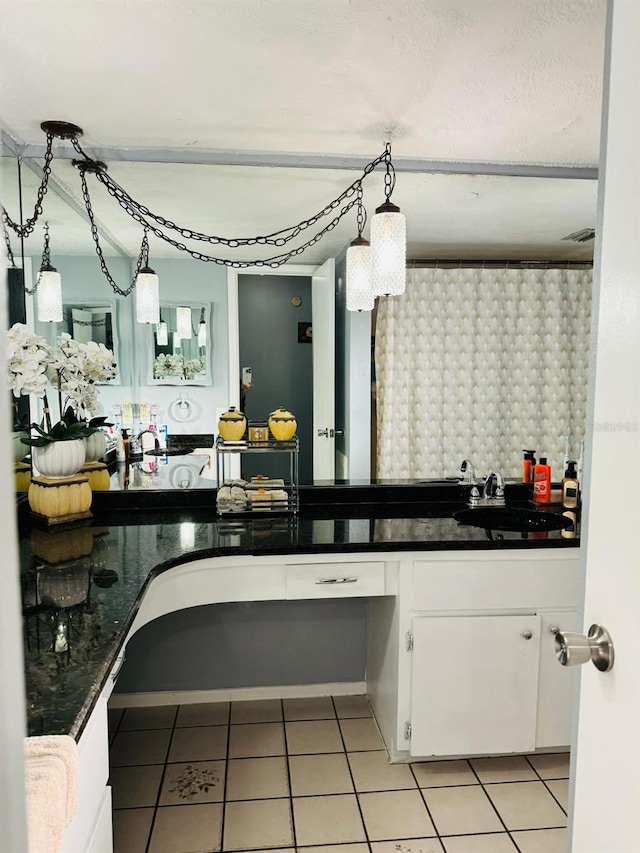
(275, 337)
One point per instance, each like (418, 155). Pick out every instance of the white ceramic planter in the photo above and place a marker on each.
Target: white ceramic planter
(95, 446)
(59, 459)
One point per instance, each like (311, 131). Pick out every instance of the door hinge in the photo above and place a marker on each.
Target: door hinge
(408, 641)
(407, 731)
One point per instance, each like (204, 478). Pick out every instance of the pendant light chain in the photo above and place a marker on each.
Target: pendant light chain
(7, 242)
(362, 213)
(273, 261)
(390, 174)
(45, 262)
(26, 229)
(276, 238)
(144, 248)
(339, 207)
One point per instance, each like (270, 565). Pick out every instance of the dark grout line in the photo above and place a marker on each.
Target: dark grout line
(493, 806)
(164, 771)
(287, 765)
(353, 781)
(424, 800)
(544, 781)
(226, 779)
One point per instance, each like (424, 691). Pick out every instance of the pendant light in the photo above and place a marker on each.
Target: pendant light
(183, 322)
(202, 330)
(177, 342)
(359, 286)
(147, 290)
(388, 241)
(49, 287)
(162, 333)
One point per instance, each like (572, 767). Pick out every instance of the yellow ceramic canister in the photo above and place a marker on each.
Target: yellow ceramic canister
(232, 425)
(282, 424)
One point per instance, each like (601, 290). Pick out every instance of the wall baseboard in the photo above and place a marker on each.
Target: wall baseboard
(236, 694)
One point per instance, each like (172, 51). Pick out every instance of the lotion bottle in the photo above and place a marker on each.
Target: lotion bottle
(570, 487)
(542, 482)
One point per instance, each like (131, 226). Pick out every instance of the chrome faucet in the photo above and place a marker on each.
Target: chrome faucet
(467, 471)
(492, 493)
(137, 449)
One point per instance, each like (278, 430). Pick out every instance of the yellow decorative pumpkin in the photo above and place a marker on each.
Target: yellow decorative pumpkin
(232, 425)
(59, 499)
(98, 476)
(282, 424)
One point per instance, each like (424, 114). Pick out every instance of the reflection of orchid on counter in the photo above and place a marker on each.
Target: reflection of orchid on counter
(166, 365)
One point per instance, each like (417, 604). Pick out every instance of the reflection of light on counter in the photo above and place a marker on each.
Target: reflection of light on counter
(187, 534)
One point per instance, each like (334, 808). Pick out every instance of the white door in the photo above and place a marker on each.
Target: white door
(13, 828)
(324, 334)
(606, 766)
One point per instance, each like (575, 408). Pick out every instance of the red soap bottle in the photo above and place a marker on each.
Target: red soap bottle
(542, 482)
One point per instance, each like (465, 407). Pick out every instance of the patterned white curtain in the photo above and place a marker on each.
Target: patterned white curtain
(479, 364)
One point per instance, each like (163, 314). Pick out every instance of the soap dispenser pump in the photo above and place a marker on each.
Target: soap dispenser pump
(570, 487)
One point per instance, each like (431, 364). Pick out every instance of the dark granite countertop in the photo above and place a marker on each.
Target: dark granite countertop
(91, 579)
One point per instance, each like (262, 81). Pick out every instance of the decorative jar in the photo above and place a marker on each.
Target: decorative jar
(282, 424)
(232, 425)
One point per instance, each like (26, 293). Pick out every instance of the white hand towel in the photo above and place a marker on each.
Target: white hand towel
(51, 773)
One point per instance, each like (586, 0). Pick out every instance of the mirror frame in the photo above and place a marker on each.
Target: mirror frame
(150, 348)
(112, 306)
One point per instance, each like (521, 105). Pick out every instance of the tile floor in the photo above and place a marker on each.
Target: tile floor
(312, 775)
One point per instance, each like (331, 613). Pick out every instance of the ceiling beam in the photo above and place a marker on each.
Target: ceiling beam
(285, 160)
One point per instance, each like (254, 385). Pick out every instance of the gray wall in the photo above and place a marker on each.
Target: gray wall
(248, 645)
(180, 280)
(282, 367)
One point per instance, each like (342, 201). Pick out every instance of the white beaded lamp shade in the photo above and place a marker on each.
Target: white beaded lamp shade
(359, 290)
(388, 251)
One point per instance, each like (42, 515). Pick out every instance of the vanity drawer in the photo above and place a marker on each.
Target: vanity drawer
(335, 580)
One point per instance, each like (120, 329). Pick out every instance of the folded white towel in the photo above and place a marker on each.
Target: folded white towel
(51, 774)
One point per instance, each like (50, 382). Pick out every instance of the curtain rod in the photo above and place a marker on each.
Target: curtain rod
(495, 264)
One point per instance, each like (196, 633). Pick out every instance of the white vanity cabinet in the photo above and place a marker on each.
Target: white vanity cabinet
(462, 662)
(91, 830)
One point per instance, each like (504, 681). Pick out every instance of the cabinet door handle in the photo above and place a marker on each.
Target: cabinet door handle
(554, 630)
(336, 580)
(527, 635)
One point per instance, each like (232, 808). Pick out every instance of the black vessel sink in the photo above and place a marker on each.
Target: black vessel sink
(515, 519)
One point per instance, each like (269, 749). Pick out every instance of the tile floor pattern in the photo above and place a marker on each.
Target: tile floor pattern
(311, 775)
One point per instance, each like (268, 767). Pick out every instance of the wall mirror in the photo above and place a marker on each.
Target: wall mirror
(180, 345)
(92, 321)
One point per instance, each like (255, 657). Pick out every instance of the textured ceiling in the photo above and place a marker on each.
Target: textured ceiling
(498, 81)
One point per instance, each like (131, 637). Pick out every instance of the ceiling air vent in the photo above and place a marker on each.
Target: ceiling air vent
(581, 236)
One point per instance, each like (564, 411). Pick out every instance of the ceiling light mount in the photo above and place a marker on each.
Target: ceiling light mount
(61, 129)
(88, 165)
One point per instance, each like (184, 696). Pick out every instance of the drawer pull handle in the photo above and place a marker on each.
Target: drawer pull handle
(336, 580)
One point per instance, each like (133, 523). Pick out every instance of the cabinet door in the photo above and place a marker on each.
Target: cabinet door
(557, 683)
(474, 684)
